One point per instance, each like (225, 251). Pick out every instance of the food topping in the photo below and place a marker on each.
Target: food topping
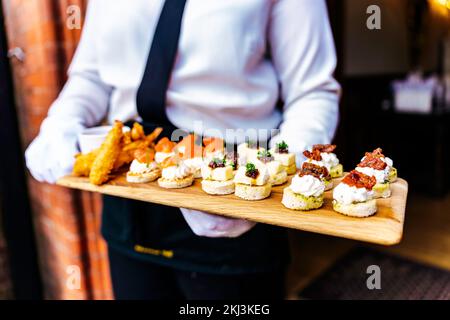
(265, 156)
(359, 180)
(282, 147)
(307, 185)
(322, 155)
(138, 167)
(231, 159)
(224, 173)
(170, 162)
(174, 172)
(325, 148)
(164, 145)
(314, 170)
(251, 171)
(313, 155)
(212, 146)
(252, 174)
(146, 155)
(378, 152)
(217, 163)
(189, 147)
(346, 194)
(372, 161)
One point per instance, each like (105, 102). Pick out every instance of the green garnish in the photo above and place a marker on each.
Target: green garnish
(231, 163)
(251, 171)
(250, 167)
(282, 147)
(264, 154)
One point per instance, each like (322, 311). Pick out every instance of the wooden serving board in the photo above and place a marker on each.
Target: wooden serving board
(385, 227)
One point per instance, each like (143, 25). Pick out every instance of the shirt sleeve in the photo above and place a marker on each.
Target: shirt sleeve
(304, 56)
(85, 97)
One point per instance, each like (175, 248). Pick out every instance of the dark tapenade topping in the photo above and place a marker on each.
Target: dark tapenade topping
(359, 180)
(265, 156)
(251, 171)
(315, 171)
(282, 147)
(217, 163)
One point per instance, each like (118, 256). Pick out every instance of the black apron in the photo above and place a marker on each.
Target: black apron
(159, 233)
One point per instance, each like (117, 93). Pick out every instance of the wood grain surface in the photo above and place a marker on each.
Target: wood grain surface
(385, 227)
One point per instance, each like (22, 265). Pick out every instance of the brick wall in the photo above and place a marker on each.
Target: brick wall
(67, 222)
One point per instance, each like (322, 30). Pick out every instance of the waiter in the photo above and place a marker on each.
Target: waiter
(226, 64)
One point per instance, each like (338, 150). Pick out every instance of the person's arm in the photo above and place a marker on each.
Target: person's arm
(303, 53)
(82, 103)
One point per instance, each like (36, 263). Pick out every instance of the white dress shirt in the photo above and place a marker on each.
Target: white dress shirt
(222, 79)
(222, 74)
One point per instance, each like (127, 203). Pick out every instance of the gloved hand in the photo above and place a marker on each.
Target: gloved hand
(207, 225)
(51, 154)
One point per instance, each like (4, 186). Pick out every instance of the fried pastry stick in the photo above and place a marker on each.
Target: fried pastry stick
(83, 163)
(128, 145)
(107, 155)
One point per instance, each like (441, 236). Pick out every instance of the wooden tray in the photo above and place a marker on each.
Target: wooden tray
(385, 227)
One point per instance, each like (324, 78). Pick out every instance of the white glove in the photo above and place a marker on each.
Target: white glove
(207, 225)
(51, 154)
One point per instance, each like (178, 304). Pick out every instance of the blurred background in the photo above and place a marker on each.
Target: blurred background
(396, 95)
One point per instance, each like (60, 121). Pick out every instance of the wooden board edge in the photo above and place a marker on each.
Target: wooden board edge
(390, 238)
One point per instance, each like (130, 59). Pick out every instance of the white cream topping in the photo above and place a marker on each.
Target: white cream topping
(345, 194)
(176, 172)
(161, 156)
(307, 186)
(380, 175)
(140, 167)
(388, 162)
(213, 155)
(194, 163)
(261, 180)
(206, 172)
(329, 160)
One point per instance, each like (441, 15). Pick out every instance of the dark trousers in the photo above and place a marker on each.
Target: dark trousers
(135, 279)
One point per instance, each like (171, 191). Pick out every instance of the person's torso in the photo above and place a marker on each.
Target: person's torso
(221, 76)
